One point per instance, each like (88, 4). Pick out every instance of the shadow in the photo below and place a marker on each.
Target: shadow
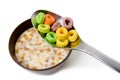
(47, 72)
(72, 60)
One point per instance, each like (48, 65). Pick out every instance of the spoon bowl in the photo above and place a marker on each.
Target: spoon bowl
(82, 46)
(59, 19)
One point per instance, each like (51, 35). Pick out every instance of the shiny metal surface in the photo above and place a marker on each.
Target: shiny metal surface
(99, 55)
(86, 48)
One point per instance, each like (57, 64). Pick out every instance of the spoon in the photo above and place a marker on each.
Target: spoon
(82, 46)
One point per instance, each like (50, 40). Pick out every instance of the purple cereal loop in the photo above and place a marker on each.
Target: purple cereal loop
(55, 26)
(67, 22)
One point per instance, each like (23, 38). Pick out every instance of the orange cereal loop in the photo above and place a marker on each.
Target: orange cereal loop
(49, 19)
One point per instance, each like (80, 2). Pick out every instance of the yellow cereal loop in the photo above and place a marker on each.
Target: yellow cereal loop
(72, 35)
(75, 43)
(62, 33)
(62, 43)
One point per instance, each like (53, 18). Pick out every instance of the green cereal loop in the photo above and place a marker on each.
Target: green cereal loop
(51, 36)
(43, 28)
(34, 22)
(51, 43)
(40, 18)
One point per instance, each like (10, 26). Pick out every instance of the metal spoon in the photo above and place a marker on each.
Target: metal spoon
(85, 47)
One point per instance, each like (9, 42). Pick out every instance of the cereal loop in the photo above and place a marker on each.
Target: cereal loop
(72, 35)
(44, 28)
(62, 33)
(75, 43)
(62, 43)
(51, 36)
(49, 19)
(55, 26)
(67, 22)
(40, 18)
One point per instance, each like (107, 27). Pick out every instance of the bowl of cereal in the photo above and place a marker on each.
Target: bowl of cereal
(44, 42)
(31, 52)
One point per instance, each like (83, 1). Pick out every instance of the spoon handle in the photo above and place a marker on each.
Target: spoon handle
(100, 56)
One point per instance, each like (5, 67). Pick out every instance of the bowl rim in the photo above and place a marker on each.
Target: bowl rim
(15, 59)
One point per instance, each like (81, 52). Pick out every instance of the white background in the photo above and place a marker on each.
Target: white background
(97, 21)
